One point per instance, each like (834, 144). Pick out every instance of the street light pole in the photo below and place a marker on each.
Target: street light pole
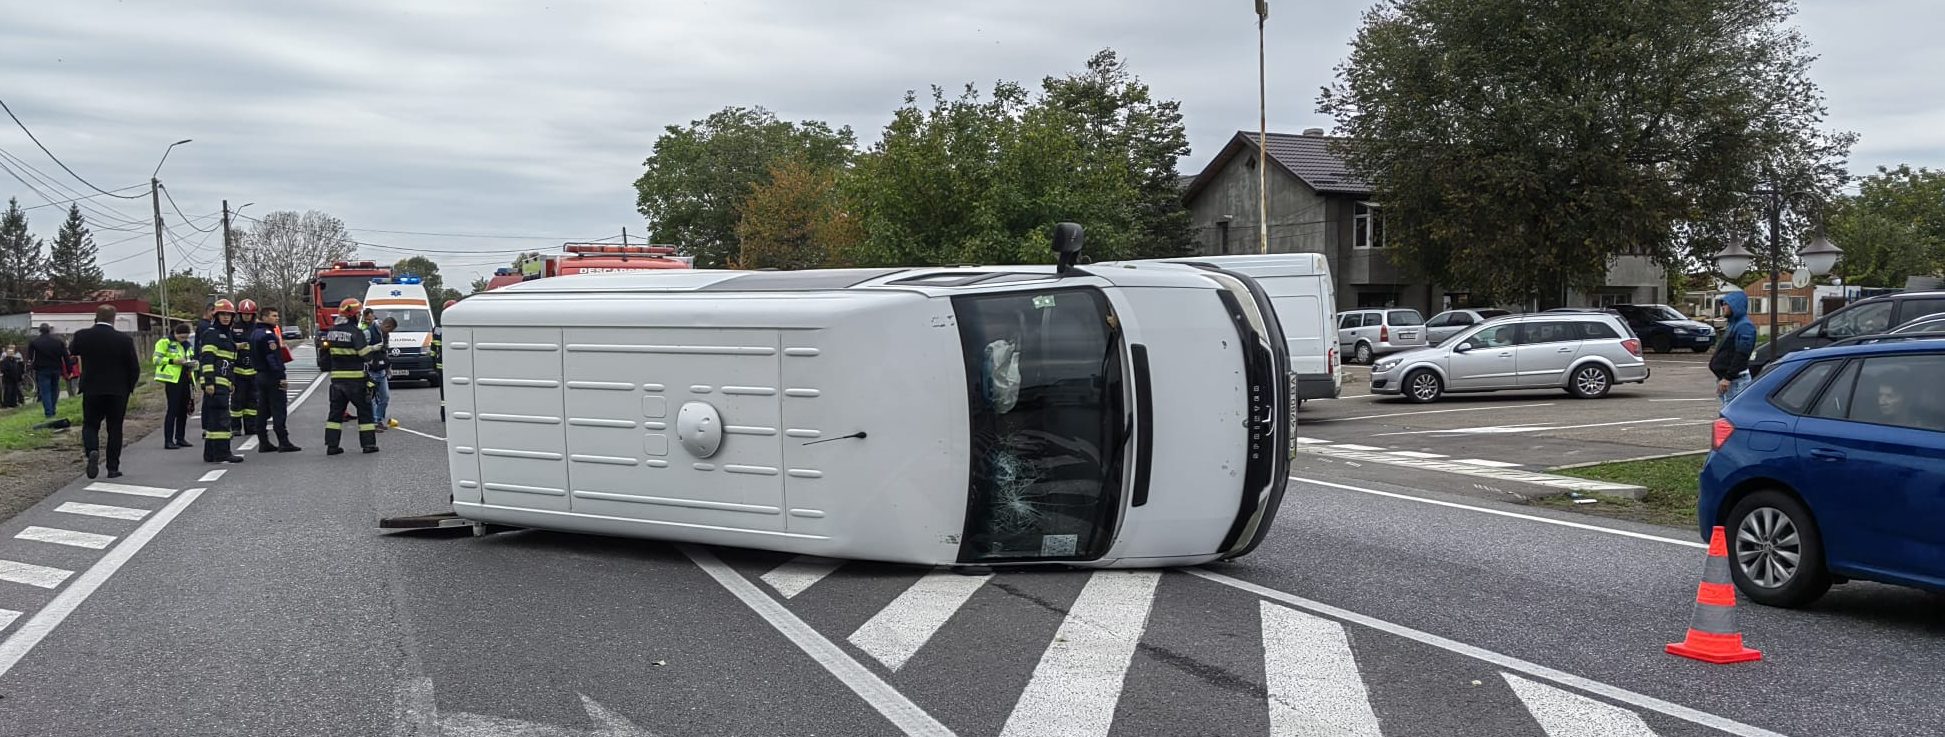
(1262, 134)
(161, 259)
(229, 258)
(1775, 254)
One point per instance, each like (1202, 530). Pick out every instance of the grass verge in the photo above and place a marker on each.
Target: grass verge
(35, 463)
(1673, 485)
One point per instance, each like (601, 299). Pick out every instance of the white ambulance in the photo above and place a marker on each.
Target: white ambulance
(404, 298)
(1132, 415)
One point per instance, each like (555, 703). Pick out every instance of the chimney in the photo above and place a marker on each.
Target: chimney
(1314, 132)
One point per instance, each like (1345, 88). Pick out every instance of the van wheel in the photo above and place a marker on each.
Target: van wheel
(1661, 344)
(1423, 386)
(1361, 354)
(1775, 550)
(1591, 381)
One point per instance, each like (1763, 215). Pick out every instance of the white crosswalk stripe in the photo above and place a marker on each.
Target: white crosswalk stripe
(132, 490)
(1417, 454)
(1486, 463)
(1567, 714)
(7, 617)
(1315, 688)
(66, 537)
(32, 575)
(102, 510)
(904, 626)
(1077, 684)
(791, 578)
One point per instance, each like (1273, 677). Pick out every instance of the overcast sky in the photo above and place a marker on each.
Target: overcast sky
(531, 119)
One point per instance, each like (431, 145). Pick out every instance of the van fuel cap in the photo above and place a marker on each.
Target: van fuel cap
(700, 428)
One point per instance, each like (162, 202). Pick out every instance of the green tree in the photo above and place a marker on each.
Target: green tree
(72, 273)
(21, 263)
(1129, 143)
(796, 220)
(699, 175)
(1893, 228)
(479, 285)
(188, 292)
(1519, 147)
(428, 272)
(284, 250)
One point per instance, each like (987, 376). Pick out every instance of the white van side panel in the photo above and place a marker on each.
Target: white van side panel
(462, 434)
(519, 417)
(624, 389)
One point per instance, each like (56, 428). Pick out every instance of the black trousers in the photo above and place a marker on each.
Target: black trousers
(216, 425)
(10, 393)
(350, 393)
(273, 409)
(175, 423)
(243, 405)
(99, 409)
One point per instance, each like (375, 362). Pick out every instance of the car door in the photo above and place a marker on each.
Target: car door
(1347, 325)
(1484, 360)
(1874, 447)
(1861, 319)
(1546, 349)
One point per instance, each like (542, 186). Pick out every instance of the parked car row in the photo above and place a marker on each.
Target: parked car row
(1584, 353)
(1872, 316)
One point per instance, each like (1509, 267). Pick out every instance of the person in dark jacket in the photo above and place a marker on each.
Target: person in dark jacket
(216, 358)
(175, 371)
(110, 369)
(342, 355)
(243, 400)
(273, 379)
(13, 373)
(1730, 364)
(48, 357)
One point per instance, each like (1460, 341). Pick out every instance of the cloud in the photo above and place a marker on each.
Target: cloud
(516, 117)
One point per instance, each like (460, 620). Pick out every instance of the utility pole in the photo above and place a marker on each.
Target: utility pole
(624, 236)
(1262, 135)
(229, 253)
(161, 261)
(1775, 257)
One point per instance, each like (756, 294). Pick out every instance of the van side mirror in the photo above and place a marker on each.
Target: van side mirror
(1068, 240)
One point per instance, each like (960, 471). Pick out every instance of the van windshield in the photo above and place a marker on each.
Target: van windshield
(412, 320)
(1043, 376)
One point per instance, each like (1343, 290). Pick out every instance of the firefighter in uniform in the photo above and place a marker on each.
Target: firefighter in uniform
(243, 400)
(439, 357)
(217, 358)
(341, 355)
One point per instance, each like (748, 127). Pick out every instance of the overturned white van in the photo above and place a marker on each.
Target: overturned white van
(1127, 416)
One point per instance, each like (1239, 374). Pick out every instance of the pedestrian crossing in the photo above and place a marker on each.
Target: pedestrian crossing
(39, 561)
(1480, 467)
(934, 634)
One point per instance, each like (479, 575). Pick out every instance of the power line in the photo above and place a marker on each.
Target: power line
(97, 211)
(185, 216)
(79, 199)
(57, 159)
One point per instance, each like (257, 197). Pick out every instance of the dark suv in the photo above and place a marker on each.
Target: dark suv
(1863, 317)
(1663, 328)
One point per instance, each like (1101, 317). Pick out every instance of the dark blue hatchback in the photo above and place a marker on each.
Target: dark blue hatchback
(1832, 467)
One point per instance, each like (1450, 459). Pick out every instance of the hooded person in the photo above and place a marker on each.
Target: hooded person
(1730, 364)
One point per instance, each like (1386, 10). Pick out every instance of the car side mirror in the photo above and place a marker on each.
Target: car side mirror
(1463, 347)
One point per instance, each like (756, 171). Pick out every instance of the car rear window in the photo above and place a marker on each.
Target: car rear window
(1597, 331)
(1490, 314)
(1901, 391)
(1795, 396)
(1405, 318)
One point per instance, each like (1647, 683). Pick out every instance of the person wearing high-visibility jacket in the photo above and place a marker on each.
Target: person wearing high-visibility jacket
(341, 354)
(243, 401)
(439, 357)
(217, 361)
(172, 360)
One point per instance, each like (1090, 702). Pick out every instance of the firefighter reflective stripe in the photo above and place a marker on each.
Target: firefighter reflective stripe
(345, 352)
(347, 374)
(369, 349)
(364, 427)
(223, 382)
(217, 435)
(226, 355)
(334, 426)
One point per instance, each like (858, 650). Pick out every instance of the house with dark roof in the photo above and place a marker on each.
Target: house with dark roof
(1317, 205)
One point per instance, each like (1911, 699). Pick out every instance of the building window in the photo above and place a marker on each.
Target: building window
(1610, 299)
(1799, 305)
(1367, 226)
(1370, 299)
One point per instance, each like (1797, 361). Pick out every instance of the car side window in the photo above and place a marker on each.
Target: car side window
(1498, 336)
(1861, 320)
(1460, 318)
(1441, 319)
(1346, 322)
(1901, 391)
(1795, 396)
(1535, 333)
(1597, 331)
(1836, 401)
(1912, 309)
(1372, 319)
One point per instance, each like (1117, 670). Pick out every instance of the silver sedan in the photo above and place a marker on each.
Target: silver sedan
(1584, 354)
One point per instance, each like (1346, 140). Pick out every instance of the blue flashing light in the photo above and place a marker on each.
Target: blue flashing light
(408, 280)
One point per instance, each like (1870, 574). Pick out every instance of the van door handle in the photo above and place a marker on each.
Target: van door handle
(1828, 455)
(1568, 349)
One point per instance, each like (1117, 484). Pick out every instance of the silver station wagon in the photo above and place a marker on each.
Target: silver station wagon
(1585, 354)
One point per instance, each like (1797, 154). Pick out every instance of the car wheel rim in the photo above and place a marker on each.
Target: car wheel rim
(1425, 387)
(1768, 548)
(1364, 354)
(1592, 381)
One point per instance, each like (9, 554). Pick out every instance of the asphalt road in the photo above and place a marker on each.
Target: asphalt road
(266, 603)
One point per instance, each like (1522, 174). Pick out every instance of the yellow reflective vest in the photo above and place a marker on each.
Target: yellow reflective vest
(169, 358)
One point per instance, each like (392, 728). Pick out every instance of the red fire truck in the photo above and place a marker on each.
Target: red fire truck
(334, 283)
(590, 258)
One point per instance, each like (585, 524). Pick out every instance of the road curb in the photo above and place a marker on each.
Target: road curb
(1546, 484)
(1636, 459)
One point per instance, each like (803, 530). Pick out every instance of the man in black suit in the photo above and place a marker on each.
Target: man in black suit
(109, 372)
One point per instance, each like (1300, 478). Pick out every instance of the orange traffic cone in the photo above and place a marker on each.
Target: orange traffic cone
(1712, 633)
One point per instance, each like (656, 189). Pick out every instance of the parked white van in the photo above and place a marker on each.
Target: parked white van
(1305, 298)
(1092, 416)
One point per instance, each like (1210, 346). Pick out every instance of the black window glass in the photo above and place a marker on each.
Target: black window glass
(1836, 401)
(1912, 309)
(1901, 391)
(1534, 333)
(1405, 318)
(1867, 319)
(1597, 331)
(1795, 396)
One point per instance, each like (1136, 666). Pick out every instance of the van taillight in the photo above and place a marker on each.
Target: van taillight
(1723, 429)
(1330, 361)
(1384, 333)
(1633, 346)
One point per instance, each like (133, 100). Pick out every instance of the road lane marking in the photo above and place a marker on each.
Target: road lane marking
(897, 632)
(1504, 513)
(102, 510)
(1365, 448)
(904, 714)
(799, 573)
(1636, 459)
(248, 444)
(1507, 473)
(1483, 463)
(428, 436)
(33, 575)
(1568, 714)
(1077, 684)
(1510, 429)
(1312, 441)
(66, 537)
(7, 617)
(131, 490)
(1507, 662)
(1703, 399)
(1315, 687)
(212, 475)
(1423, 412)
(1418, 455)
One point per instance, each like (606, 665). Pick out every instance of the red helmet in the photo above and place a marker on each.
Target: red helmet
(449, 303)
(249, 307)
(222, 306)
(349, 306)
